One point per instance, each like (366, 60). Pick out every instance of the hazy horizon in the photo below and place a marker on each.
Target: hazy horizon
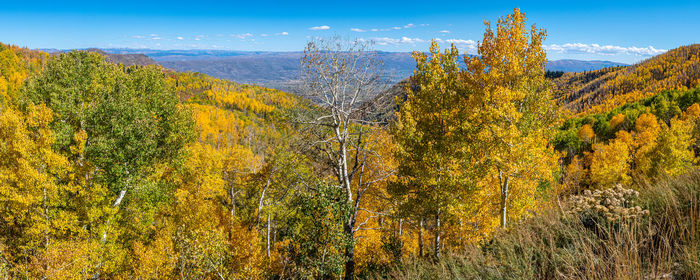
(622, 31)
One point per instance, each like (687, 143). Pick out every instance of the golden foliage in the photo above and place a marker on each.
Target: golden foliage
(516, 113)
(16, 64)
(605, 89)
(610, 163)
(586, 133)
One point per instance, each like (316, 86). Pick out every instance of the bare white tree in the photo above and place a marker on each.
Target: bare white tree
(339, 74)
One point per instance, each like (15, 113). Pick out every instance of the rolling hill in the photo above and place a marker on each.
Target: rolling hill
(280, 70)
(573, 65)
(597, 90)
(604, 89)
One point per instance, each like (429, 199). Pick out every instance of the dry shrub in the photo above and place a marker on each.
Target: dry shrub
(616, 204)
(647, 233)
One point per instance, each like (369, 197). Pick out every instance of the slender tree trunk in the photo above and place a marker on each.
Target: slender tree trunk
(504, 198)
(260, 203)
(268, 235)
(437, 235)
(116, 204)
(421, 248)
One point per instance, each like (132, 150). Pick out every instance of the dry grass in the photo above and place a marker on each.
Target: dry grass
(663, 243)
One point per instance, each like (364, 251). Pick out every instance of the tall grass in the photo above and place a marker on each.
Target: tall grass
(662, 244)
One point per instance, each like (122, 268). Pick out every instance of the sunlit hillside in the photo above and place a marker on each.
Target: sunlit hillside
(479, 163)
(601, 90)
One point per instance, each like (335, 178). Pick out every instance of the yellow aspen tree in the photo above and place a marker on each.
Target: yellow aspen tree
(586, 134)
(610, 163)
(646, 133)
(428, 133)
(617, 120)
(693, 112)
(38, 216)
(513, 107)
(574, 174)
(673, 154)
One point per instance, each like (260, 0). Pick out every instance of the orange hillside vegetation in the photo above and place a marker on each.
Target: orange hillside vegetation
(604, 89)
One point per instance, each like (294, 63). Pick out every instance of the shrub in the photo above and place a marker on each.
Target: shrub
(652, 232)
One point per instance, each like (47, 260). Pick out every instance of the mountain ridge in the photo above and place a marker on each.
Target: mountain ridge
(596, 90)
(280, 70)
(604, 89)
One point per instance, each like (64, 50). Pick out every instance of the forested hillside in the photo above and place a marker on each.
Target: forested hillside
(16, 65)
(114, 171)
(597, 90)
(604, 89)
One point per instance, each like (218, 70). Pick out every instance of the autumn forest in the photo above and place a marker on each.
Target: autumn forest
(489, 167)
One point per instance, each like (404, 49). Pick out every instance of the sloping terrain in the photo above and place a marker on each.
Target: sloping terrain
(573, 65)
(126, 59)
(381, 108)
(593, 91)
(280, 70)
(605, 89)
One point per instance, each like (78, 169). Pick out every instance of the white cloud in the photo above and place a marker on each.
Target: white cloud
(180, 38)
(322, 27)
(579, 48)
(154, 35)
(410, 25)
(282, 34)
(461, 42)
(394, 41)
(242, 36)
(406, 40)
(264, 35)
(444, 31)
(469, 45)
(138, 37)
(155, 38)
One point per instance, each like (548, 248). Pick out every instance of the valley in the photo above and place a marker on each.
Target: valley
(351, 160)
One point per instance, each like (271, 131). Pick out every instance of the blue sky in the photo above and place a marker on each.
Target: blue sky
(623, 31)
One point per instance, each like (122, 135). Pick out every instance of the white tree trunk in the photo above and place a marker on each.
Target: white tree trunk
(504, 198)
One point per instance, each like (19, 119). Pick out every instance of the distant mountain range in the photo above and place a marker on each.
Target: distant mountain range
(605, 89)
(572, 65)
(280, 70)
(592, 91)
(127, 59)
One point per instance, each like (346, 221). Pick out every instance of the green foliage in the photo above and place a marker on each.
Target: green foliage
(131, 116)
(317, 232)
(665, 105)
(430, 133)
(139, 172)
